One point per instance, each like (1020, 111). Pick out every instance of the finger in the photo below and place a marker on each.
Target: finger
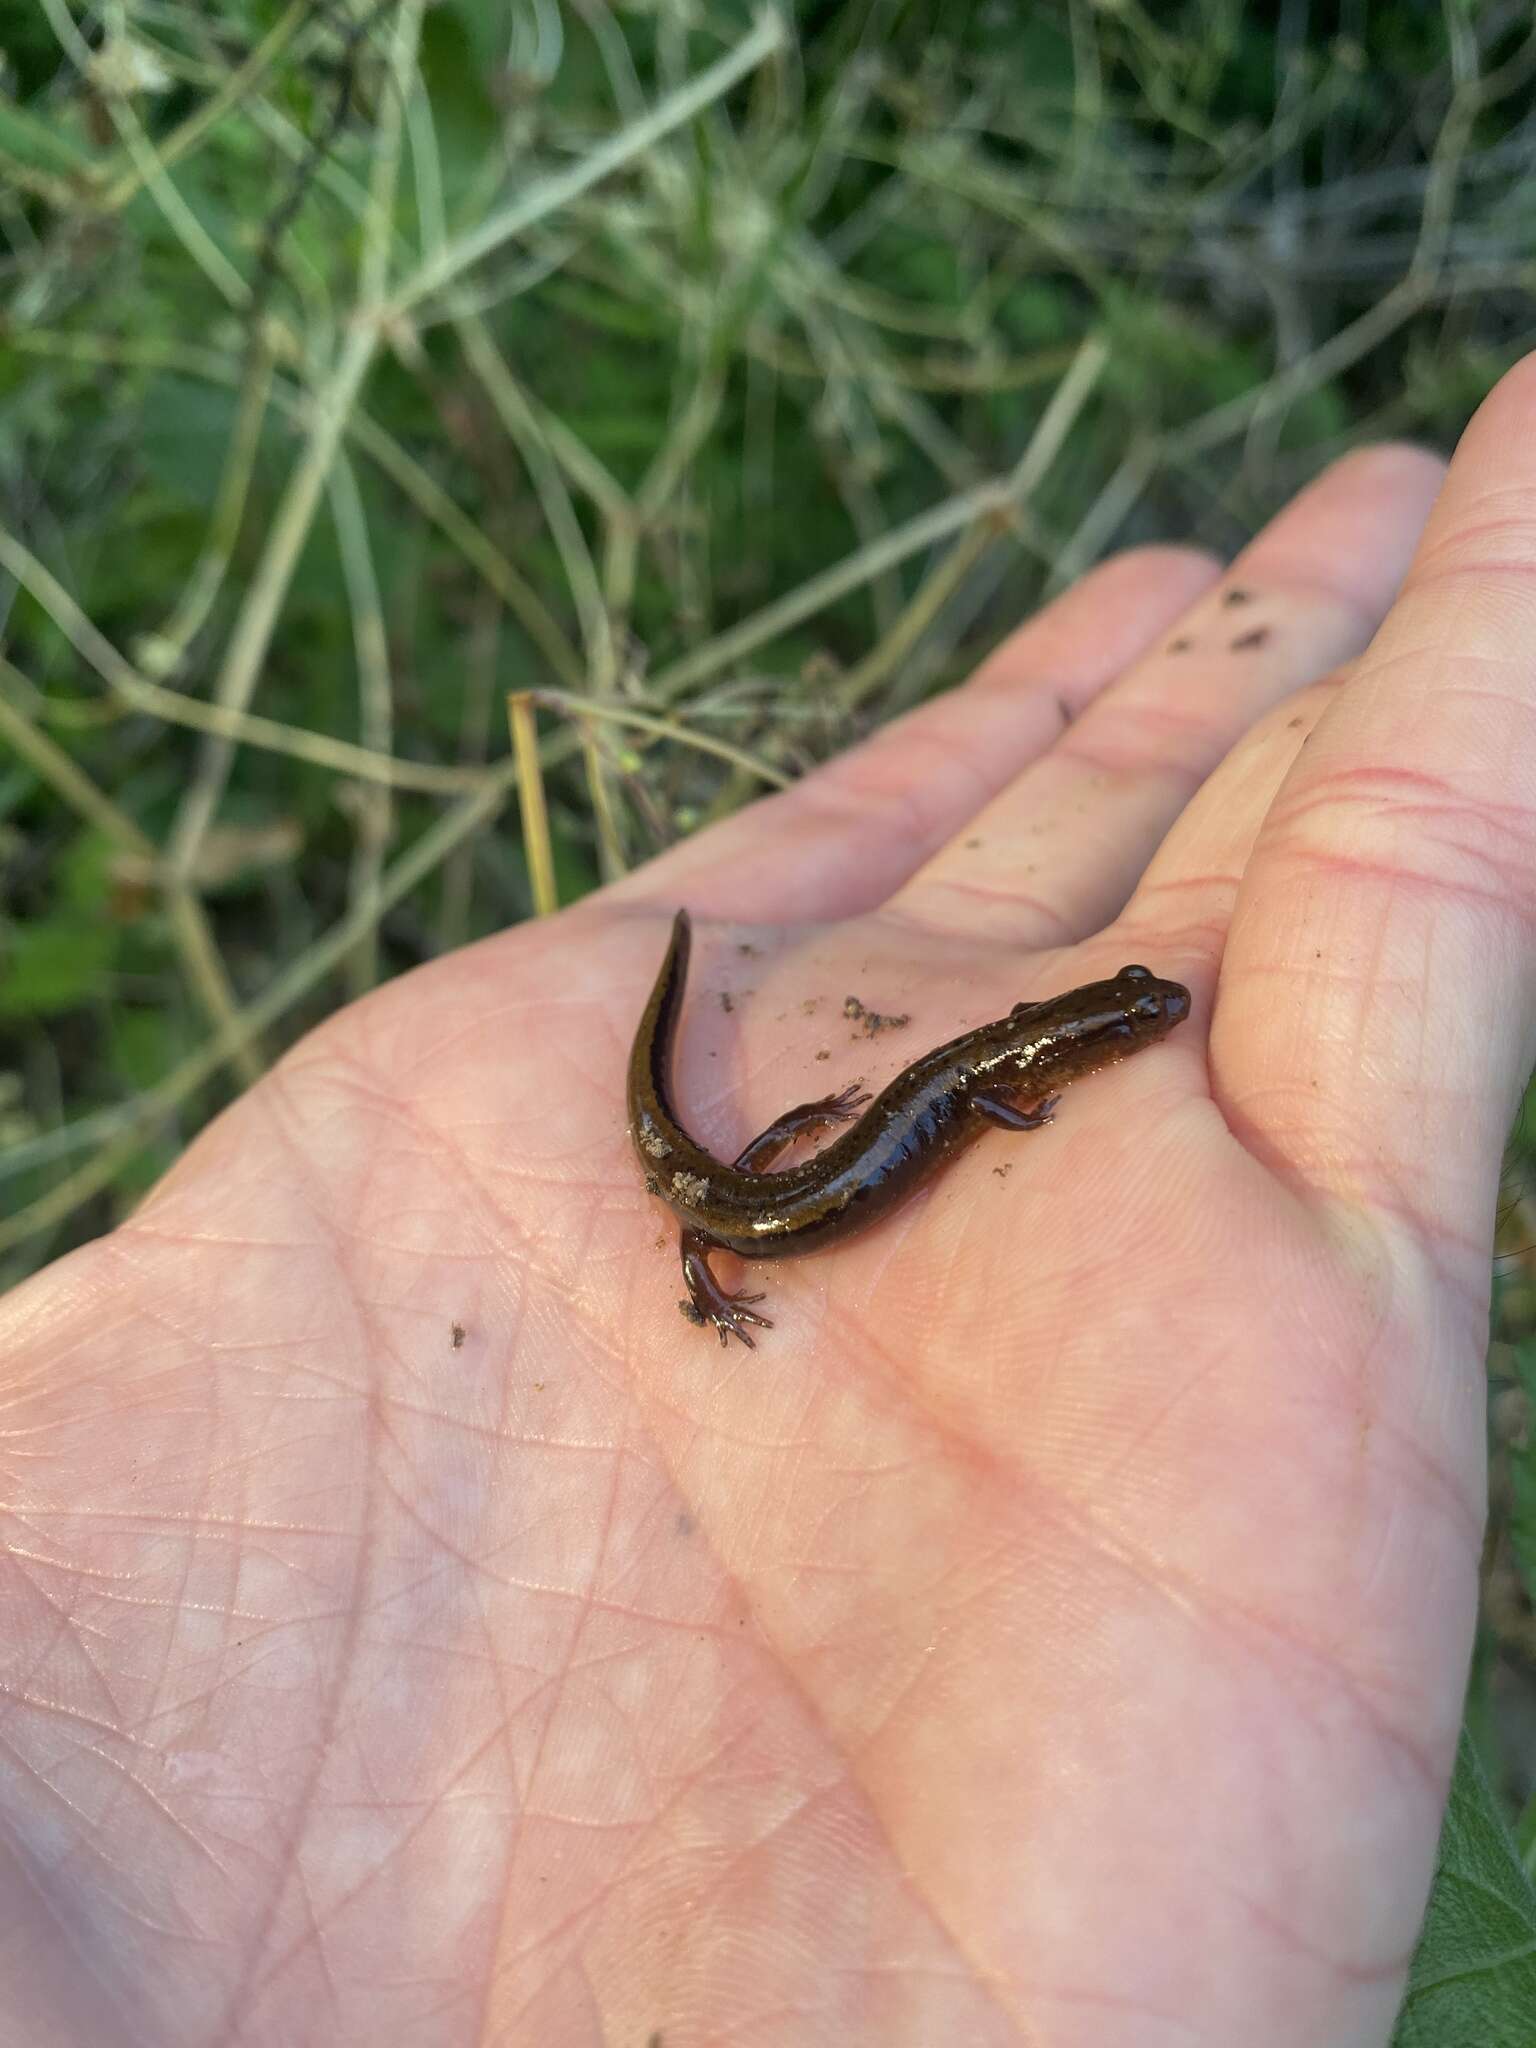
(1186, 897)
(1373, 1024)
(1055, 856)
(843, 838)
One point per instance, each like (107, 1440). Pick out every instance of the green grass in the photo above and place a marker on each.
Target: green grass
(747, 376)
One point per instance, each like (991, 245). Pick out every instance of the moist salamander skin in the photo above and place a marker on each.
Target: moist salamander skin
(930, 1111)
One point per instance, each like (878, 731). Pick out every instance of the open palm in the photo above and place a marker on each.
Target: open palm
(416, 1632)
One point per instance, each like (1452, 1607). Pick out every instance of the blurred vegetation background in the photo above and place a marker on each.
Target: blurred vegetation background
(731, 378)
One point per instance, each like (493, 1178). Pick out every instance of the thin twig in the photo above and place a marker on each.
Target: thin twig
(252, 635)
(374, 811)
(243, 727)
(663, 729)
(552, 193)
(402, 468)
(482, 553)
(824, 589)
(475, 720)
(610, 844)
(1059, 418)
(1105, 515)
(525, 429)
(56, 767)
(189, 922)
(237, 87)
(1000, 496)
(317, 152)
(537, 850)
(919, 612)
(203, 964)
(162, 652)
(179, 217)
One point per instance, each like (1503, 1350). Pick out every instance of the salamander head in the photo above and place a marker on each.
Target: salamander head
(1102, 1021)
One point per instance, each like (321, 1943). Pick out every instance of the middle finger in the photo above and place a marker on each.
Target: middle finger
(1055, 855)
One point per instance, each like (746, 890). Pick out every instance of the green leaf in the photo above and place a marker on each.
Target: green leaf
(143, 1044)
(46, 968)
(457, 75)
(40, 145)
(84, 875)
(1522, 1473)
(1525, 1837)
(1473, 1980)
(184, 430)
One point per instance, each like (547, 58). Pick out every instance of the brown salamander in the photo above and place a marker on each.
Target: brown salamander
(929, 1112)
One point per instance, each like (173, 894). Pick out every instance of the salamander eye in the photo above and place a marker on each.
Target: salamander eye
(1134, 974)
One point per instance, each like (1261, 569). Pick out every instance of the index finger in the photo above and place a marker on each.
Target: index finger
(1373, 1026)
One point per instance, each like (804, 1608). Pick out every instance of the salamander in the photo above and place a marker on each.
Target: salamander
(996, 1076)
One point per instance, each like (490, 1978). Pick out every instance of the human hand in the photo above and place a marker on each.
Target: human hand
(416, 1632)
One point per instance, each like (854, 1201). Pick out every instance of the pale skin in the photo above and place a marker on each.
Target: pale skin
(1055, 1632)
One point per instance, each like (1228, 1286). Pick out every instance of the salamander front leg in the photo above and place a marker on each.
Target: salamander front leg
(710, 1303)
(1008, 1117)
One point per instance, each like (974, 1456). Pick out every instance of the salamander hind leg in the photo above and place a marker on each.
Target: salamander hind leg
(841, 1108)
(710, 1304)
